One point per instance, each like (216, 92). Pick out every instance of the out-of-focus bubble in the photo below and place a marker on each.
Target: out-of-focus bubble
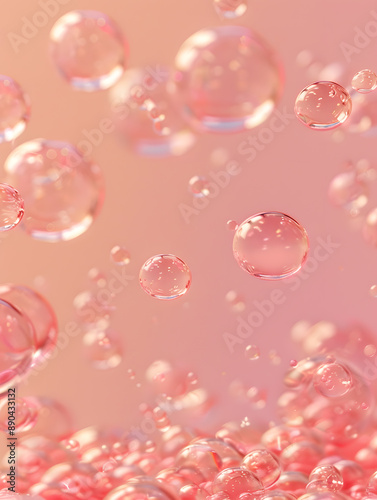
(165, 277)
(199, 186)
(137, 91)
(370, 350)
(120, 256)
(325, 478)
(25, 413)
(227, 79)
(234, 481)
(232, 225)
(270, 245)
(323, 105)
(93, 308)
(350, 191)
(17, 345)
(39, 312)
(252, 352)
(102, 348)
(332, 380)
(230, 9)
(364, 81)
(14, 109)
(53, 422)
(63, 192)
(88, 49)
(236, 301)
(11, 207)
(370, 227)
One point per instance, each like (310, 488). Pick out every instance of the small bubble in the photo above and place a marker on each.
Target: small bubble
(230, 9)
(332, 380)
(274, 357)
(199, 186)
(252, 352)
(232, 225)
(364, 81)
(165, 277)
(370, 350)
(293, 363)
(350, 191)
(97, 277)
(102, 348)
(323, 105)
(120, 255)
(236, 301)
(373, 291)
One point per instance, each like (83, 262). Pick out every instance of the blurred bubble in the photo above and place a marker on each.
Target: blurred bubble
(364, 81)
(199, 186)
(63, 191)
(350, 191)
(146, 116)
(119, 255)
(102, 348)
(270, 245)
(165, 277)
(325, 478)
(232, 225)
(370, 350)
(25, 412)
(370, 227)
(226, 79)
(40, 313)
(252, 352)
(88, 49)
(234, 481)
(323, 105)
(236, 301)
(14, 109)
(230, 9)
(373, 291)
(11, 207)
(332, 380)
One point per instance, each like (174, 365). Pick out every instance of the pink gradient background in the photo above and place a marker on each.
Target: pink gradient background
(141, 212)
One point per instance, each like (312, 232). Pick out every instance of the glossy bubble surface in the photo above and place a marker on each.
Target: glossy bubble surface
(226, 80)
(364, 81)
(270, 245)
(62, 190)
(11, 207)
(165, 277)
(230, 9)
(88, 49)
(14, 109)
(323, 105)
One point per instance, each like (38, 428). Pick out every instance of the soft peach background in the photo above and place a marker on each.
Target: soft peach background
(141, 212)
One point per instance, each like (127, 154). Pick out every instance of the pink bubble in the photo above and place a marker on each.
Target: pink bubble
(11, 207)
(103, 349)
(332, 380)
(138, 90)
(88, 49)
(323, 105)
(370, 227)
(120, 256)
(350, 191)
(199, 186)
(270, 245)
(14, 109)
(63, 192)
(200, 457)
(142, 488)
(165, 277)
(325, 478)
(26, 415)
(264, 465)
(39, 312)
(230, 9)
(235, 481)
(364, 81)
(227, 79)
(17, 345)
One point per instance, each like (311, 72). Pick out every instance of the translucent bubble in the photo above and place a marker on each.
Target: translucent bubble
(350, 191)
(91, 309)
(120, 255)
(370, 227)
(41, 314)
(258, 397)
(138, 90)
(323, 105)
(26, 414)
(236, 301)
(230, 9)
(264, 465)
(370, 350)
(17, 345)
(332, 380)
(364, 81)
(302, 456)
(232, 225)
(165, 277)
(227, 79)
(102, 348)
(235, 481)
(325, 478)
(88, 49)
(14, 109)
(201, 458)
(270, 245)
(11, 207)
(252, 352)
(63, 191)
(199, 186)
(141, 488)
